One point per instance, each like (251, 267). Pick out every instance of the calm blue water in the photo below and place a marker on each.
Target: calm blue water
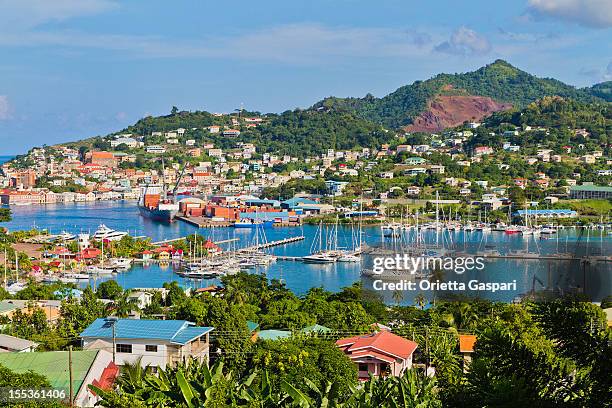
(4, 159)
(85, 217)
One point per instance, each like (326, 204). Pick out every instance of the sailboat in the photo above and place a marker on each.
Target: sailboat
(101, 269)
(321, 256)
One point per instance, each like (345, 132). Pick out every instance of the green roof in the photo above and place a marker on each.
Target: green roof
(53, 365)
(252, 326)
(589, 187)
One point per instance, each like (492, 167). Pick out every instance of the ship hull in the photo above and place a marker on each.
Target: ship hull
(157, 215)
(265, 224)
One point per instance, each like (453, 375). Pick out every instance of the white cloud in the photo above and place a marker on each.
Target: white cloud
(589, 13)
(466, 42)
(293, 44)
(23, 14)
(5, 108)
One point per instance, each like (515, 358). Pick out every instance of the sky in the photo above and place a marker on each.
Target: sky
(71, 69)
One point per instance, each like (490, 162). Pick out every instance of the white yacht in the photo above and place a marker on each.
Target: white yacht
(109, 234)
(120, 263)
(100, 270)
(66, 236)
(349, 258)
(319, 258)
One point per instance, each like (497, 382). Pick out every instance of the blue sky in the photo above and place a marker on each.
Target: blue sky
(71, 69)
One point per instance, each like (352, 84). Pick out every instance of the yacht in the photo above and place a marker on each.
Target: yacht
(108, 234)
(120, 263)
(319, 258)
(76, 276)
(100, 270)
(547, 229)
(391, 230)
(349, 258)
(511, 230)
(469, 228)
(66, 236)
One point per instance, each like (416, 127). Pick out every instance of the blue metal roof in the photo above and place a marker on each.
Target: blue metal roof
(544, 212)
(173, 331)
(296, 201)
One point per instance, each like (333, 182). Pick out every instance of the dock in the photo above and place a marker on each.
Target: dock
(272, 244)
(205, 222)
(168, 241)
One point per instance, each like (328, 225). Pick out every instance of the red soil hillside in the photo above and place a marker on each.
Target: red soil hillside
(452, 110)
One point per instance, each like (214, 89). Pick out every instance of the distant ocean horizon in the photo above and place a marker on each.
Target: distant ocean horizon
(4, 159)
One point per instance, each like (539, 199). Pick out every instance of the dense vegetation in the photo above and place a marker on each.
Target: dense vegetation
(499, 80)
(554, 354)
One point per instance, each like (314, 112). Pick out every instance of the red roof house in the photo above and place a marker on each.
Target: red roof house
(379, 354)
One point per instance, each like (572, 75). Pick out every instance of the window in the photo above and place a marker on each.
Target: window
(151, 348)
(124, 348)
(363, 367)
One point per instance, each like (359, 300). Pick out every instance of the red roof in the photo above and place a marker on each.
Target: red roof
(466, 343)
(102, 155)
(384, 341)
(109, 374)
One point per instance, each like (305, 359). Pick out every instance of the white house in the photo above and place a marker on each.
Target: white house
(158, 343)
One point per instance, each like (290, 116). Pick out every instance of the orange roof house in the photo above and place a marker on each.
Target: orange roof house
(379, 354)
(466, 348)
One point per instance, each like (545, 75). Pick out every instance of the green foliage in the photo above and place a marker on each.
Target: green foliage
(5, 214)
(27, 380)
(317, 359)
(109, 289)
(499, 80)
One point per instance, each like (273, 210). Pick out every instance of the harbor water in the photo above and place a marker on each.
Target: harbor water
(592, 278)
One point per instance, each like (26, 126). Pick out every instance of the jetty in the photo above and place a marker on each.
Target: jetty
(169, 241)
(271, 244)
(206, 222)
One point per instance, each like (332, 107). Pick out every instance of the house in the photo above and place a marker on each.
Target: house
(483, 150)
(415, 161)
(466, 348)
(158, 343)
(15, 344)
(155, 149)
(413, 190)
(379, 354)
(588, 191)
(89, 367)
(231, 132)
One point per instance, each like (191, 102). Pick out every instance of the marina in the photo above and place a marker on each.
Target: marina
(507, 255)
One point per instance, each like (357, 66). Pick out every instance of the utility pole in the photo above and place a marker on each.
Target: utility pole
(70, 376)
(114, 341)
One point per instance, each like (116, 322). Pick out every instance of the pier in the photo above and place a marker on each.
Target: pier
(271, 244)
(205, 222)
(168, 241)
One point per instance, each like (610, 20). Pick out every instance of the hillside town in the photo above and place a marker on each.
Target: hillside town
(242, 176)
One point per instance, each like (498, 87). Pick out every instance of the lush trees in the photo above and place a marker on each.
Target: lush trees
(109, 289)
(27, 380)
(5, 214)
(192, 384)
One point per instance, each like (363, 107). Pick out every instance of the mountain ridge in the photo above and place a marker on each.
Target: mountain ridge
(500, 81)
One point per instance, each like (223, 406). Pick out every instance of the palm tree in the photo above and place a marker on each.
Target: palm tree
(398, 296)
(123, 305)
(420, 301)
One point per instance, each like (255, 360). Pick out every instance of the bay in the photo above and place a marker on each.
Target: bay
(593, 279)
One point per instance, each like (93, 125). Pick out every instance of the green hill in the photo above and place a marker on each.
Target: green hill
(603, 90)
(499, 81)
